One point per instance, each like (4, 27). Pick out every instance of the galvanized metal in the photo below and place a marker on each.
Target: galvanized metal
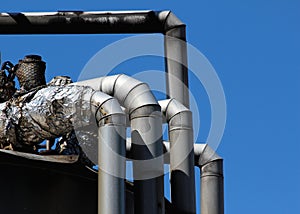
(212, 188)
(176, 59)
(212, 184)
(146, 135)
(146, 131)
(111, 188)
(181, 149)
(111, 141)
(211, 177)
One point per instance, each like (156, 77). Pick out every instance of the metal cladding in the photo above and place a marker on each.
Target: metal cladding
(179, 119)
(111, 122)
(31, 72)
(212, 180)
(48, 113)
(146, 130)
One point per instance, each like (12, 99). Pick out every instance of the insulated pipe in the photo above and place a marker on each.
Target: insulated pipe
(180, 123)
(212, 180)
(211, 166)
(55, 111)
(176, 58)
(146, 132)
(111, 139)
(79, 22)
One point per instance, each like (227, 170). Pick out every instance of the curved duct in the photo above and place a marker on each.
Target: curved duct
(146, 133)
(181, 148)
(211, 170)
(111, 139)
(212, 180)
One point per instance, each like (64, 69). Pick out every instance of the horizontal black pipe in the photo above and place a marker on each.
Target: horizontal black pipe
(78, 22)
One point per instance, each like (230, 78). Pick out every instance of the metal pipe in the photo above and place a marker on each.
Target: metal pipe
(180, 123)
(111, 140)
(79, 22)
(176, 58)
(146, 131)
(212, 184)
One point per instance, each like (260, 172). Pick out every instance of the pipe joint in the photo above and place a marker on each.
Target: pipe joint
(133, 93)
(204, 154)
(177, 115)
(146, 111)
(107, 110)
(169, 20)
(213, 168)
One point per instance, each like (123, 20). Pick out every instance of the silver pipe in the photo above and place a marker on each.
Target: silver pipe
(146, 131)
(111, 146)
(176, 58)
(212, 184)
(180, 123)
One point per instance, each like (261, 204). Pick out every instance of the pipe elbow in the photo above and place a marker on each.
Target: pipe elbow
(107, 110)
(169, 20)
(205, 154)
(131, 93)
(176, 114)
(208, 160)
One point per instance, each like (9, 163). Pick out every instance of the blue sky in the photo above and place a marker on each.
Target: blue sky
(254, 47)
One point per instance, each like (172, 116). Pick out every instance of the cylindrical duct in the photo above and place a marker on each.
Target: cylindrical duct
(146, 135)
(212, 188)
(111, 153)
(181, 149)
(146, 126)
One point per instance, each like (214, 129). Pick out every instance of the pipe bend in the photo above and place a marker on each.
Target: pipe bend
(176, 114)
(204, 155)
(131, 93)
(107, 109)
(169, 20)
